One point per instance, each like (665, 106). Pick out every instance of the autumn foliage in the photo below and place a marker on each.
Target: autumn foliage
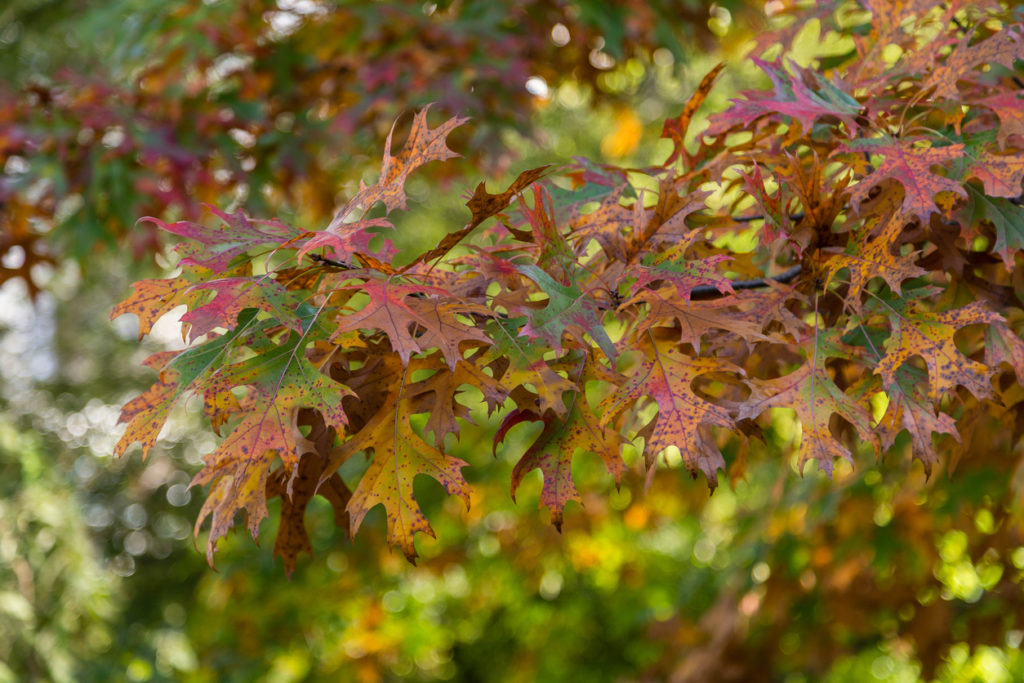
(843, 244)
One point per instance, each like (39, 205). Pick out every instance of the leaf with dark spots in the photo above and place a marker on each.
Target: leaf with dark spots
(1005, 47)
(910, 409)
(234, 295)
(554, 448)
(399, 455)
(911, 165)
(238, 472)
(696, 318)
(665, 375)
(152, 299)
(283, 381)
(147, 412)
(919, 331)
(815, 397)
(1001, 174)
(871, 255)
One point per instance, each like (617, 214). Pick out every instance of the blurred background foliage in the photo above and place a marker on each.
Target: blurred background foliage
(114, 110)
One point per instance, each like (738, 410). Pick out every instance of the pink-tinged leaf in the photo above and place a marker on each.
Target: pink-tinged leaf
(345, 240)
(552, 453)
(388, 311)
(911, 166)
(1009, 107)
(551, 244)
(444, 330)
(235, 294)
(665, 375)
(774, 208)
(810, 391)
(413, 323)
(235, 237)
(1002, 345)
(804, 97)
(685, 274)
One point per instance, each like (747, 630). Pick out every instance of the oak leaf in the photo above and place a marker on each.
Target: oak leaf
(236, 236)
(399, 455)
(423, 146)
(665, 375)
(910, 409)
(296, 489)
(815, 397)
(919, 331)
(911, 166)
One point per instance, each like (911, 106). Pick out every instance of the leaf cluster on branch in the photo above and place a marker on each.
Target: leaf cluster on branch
(619, 307)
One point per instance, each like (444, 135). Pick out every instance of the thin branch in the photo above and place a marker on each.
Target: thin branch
(748, 219)
(711, 292)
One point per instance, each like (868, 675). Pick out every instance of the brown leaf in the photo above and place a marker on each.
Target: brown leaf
(424, 145)
(676, 129)
(296, 489)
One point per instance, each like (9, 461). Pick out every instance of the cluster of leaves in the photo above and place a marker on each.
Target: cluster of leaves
(269, 103)
(619, 308)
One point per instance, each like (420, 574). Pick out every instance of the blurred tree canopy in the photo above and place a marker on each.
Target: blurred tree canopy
(110, 111)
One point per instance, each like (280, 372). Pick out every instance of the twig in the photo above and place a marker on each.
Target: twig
(712, 292)
(748, 219)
